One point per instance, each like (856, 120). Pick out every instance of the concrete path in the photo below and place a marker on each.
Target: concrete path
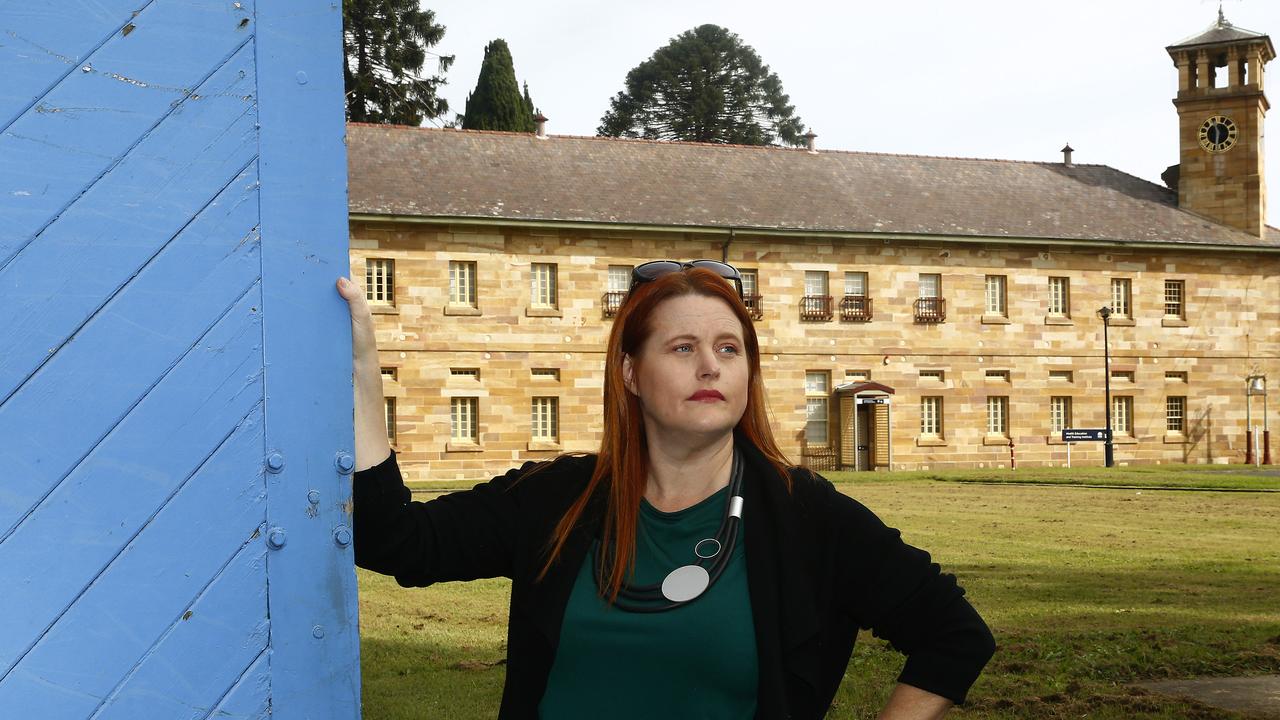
(1259, 696)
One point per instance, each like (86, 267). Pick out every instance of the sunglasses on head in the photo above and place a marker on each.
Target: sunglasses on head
(654, 269)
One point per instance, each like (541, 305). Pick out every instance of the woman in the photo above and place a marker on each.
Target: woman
(686, 570)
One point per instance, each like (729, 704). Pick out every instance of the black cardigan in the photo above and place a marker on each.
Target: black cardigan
(819, 567)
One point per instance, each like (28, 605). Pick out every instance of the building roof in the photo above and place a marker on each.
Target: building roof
(461, 174)
(1221, 32)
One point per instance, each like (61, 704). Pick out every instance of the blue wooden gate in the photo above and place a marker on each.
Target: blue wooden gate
(175, 390)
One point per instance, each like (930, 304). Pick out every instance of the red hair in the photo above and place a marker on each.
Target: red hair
(623, 462)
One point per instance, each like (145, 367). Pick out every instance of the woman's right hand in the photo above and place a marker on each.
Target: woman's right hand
(372, 446)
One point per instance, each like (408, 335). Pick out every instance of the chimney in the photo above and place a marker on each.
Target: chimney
(541, 121)
(1066, 154)
(809, 143)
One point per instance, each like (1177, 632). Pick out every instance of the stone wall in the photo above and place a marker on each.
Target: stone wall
(1229, 332)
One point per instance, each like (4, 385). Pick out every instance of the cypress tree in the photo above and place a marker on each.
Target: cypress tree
(496, 102)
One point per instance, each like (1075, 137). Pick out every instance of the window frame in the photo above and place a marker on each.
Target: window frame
(380, 281)
(1060, 299)
(1180, 304)
(545, 419)
(1000, 419)
(462, 283)
(1124, 402)
(471, 405)
(995, 291)
(1059, 413)
(815, 398)
(544, 290)
(1170, 401)
(931, 425)
(1122, 294)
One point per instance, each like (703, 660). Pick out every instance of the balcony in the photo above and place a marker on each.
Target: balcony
(815, 307)
(931, 310)
(611, 302)
(755, 306)
(855, 308)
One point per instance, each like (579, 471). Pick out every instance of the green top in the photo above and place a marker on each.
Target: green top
(697, 661)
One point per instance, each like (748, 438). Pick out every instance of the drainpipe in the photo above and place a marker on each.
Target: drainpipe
(724, 248)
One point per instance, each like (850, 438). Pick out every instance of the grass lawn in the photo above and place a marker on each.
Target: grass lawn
(1087, 590)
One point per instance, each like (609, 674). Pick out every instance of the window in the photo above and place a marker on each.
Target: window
(1122, 414)
(931, 416)
(997, 376)
(929, 306)
(462, 283)
(380, 281)
(618, 283)
(998, 415)
(391, 420)
(1175, 413)
(1175, 376)
(468, 373)
(816, 389)
(1121, 295)
(1059, 413)
(1122, 376)
(855, 283)
(933, 375)
(930, 285)
(546, 419)
(389, 373)
(1174, 291)
(619, 278)
(545, 374)
(995, 296)
(857, 375)
(816, 303)
(462, 419)
(855, 305)
(1065, 376)
(751, 293)
(543, 285)
(1060, 296)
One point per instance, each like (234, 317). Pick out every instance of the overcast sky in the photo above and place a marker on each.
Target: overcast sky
(985, 78)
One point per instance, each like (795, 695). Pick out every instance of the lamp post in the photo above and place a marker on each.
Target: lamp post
(1108, 451)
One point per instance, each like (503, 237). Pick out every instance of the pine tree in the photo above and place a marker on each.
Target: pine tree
(496, 103)
(706, 86)
(385, 45)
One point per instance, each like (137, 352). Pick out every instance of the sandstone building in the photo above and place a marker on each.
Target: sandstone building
(914, 312)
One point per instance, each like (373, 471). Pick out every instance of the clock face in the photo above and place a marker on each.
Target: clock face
(1218, 134)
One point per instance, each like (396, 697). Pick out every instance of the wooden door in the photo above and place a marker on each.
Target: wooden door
(175, 395)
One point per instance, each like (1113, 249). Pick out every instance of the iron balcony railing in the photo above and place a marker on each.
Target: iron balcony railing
(815, 307)
(931, 310)
(855, 308)
(611, 302)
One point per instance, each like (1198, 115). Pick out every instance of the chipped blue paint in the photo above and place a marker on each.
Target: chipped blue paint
(166, 265)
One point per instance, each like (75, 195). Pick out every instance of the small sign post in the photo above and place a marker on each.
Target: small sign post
(1084, 435)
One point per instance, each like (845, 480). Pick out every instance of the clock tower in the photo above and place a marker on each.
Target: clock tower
(1221, 107)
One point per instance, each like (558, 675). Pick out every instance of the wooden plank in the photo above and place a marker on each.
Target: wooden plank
(41, 43)
(111, 496)
(308, 364)
(94, 248)
(157, 319)
(132, 83)
(250, 697)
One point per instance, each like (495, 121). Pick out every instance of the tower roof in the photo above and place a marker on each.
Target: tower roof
(1221, 32)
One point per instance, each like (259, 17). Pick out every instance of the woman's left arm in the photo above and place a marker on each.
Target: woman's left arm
(898, 592)
(912, 703)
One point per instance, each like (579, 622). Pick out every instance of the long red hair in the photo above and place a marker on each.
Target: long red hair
(623, 462)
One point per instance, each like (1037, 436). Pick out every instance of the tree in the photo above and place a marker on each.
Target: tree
(496, 103)
(707, 86)
(385, 45)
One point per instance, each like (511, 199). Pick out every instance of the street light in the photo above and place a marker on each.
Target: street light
(1108, 451)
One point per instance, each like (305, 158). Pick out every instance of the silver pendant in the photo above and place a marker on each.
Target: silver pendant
(685, 583)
